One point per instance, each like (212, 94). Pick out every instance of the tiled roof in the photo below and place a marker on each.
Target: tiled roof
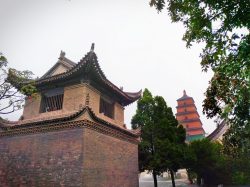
(187, 112)
(194, 129)
(219, 131)
(190, 120)
(7, 126)
(185, 106)
(89, 64)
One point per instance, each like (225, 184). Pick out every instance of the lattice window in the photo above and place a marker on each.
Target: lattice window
(52, 100)
(107, 108)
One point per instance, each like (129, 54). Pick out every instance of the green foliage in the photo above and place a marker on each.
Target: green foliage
(240, 166)
(240, 178)
(13, 87)
(162, 139)
(223, 26)
(207, 162)
(3, 61)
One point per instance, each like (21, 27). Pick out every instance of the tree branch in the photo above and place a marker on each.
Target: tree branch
(10, 104)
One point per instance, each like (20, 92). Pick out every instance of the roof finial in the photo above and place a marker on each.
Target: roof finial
(184, 93)
(62, 54)
(92, 47)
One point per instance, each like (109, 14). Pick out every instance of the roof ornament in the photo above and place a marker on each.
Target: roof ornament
(92, 47)
(121, 88)
(184, 93)
(62, 54)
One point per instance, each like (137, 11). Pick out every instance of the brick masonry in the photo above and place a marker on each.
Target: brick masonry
(50, 159)
(72, 157)
(109, 162)
(74, 99)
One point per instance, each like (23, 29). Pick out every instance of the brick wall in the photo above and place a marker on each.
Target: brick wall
(94, 98)
(49, 159)
(119, 113)
(74, 97)
(32, 107)
(109, 162)
(72, 157)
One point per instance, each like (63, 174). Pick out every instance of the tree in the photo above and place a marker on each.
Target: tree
(13, 87)
(208, 162)
(162, 139)
(223, 26)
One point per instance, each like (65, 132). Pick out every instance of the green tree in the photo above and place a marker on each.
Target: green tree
(208, 162)
(13, 87)
(223, 26)
(162, 139)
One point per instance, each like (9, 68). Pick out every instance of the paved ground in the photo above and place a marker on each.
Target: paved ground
(147, 181)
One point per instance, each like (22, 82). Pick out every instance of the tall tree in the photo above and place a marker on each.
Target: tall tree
(162, 139)
(13, 87)
(223, 26)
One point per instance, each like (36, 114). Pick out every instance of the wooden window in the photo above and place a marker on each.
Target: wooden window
(106, 107)
(52, 100)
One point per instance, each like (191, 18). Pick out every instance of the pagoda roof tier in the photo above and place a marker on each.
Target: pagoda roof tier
(194, 129)
(184, 97)
(186, 105)
(69, 120)
(87, 70)
(197, 132)
(188, 112)
(190, 120)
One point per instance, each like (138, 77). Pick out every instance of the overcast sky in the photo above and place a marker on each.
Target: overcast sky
(137, 48)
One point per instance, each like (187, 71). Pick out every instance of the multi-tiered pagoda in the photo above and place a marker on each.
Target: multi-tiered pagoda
(72, 133)
(189, 118)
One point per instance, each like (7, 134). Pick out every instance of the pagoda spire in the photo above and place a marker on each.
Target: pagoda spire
(92, 47)
(184, 93)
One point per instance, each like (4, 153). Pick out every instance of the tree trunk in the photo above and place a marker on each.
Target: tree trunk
(199, 180)
(155, 179)
(172, 177)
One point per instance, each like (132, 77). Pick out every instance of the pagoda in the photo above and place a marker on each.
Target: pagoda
(72, 133)
(189, 118)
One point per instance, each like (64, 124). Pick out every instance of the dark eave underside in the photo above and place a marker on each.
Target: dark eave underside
(185, 113)
(194, 129)
(190, 120)
(187, 105)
